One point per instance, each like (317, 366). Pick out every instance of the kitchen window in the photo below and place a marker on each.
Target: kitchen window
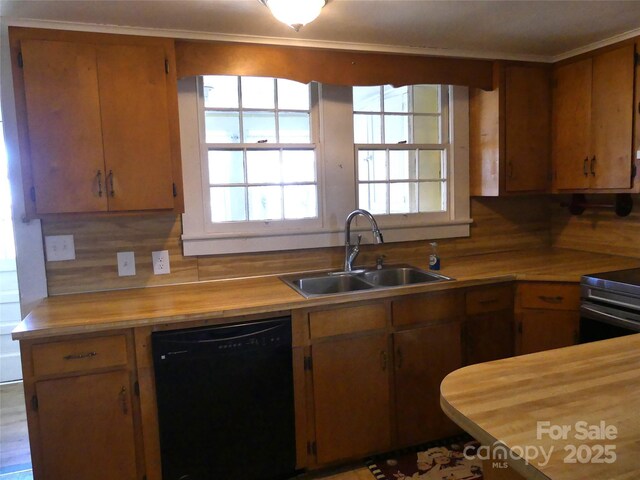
(401, 138)
(271, 164)
(260, 151)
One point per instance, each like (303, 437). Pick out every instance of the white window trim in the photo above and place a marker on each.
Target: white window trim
(336, 184)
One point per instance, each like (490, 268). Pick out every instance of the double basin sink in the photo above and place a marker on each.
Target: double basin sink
(315, 284)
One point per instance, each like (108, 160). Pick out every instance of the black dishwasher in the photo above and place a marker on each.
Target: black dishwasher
(225, 401)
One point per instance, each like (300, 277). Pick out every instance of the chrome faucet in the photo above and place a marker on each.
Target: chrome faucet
(352, 251)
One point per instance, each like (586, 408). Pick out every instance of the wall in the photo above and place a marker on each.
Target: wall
(598, 230)
(499, 225)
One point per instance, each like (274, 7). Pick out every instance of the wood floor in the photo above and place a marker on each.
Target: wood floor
(14, 442)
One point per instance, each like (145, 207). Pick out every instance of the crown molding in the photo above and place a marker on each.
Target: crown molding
(595, 45)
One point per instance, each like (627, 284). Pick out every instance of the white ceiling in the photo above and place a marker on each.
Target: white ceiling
(537, 30)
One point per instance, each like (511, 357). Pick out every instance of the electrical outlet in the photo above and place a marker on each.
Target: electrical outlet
(161, 262)
(59, 247)
(126, 264)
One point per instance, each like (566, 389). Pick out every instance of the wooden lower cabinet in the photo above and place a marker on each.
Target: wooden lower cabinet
(351, 397)
(489, 325)
(547, 316)
(423, 357)
(82, 412)
(86, 427)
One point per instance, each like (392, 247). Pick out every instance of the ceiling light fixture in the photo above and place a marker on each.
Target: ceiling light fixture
(295, 13)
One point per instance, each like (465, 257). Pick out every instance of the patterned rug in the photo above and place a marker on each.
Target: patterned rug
(438, 460)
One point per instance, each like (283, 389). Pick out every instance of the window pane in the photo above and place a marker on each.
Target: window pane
(263, 166)
(396, 129)
(292, 95)
(226, 166)
(300, 201)
(265, 203)
(426, 99)
(373, 197)
(403, 198)
(402, 164)
(432, 197)
(258, 92)
(259, 126)
(294, 127)
(367, 129)
(431, 164)
(426, 129)
(298, 166)
(220, 91)
(372, 165)
(366, 99)
(222, 127)
(227, 204)
(396, 99)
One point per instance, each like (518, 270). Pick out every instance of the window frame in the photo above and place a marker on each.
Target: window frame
(257, 227)
(336, 184)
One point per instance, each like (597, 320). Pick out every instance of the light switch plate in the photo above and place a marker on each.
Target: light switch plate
(126, 264)
(59, 247)
(161, 262)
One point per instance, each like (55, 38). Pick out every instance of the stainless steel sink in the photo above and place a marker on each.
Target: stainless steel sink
(315, 284)
(327, 284)
(392, 277)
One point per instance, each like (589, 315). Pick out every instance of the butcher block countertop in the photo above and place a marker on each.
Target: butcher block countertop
(221, 299)
(590, 390)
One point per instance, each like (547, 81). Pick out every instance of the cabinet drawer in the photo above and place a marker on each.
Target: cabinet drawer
(341, 321)
(79, 355)
(551, 296)
(427, 308)
(491, 299)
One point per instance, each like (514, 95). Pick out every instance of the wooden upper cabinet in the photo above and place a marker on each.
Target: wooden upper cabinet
(65, 133)
(98, 122)
(510, 132)
(592, 127)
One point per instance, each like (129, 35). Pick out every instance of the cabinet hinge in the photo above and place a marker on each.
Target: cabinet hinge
(20, 60)
(136, 388)
(311, 448)
(34, 403)
(519, 327)
(175, 190)
(32, 194)
(637, 56)
(166, 66)
(308, 364)
(634, 171)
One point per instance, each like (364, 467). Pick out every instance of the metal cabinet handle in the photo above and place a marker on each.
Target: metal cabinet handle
(593, 166)
(78, 356)
(488, 301)
(399, 358)
(548, 299)
(99, 176)
(585, 167)
(112, 192)
(383, 360)
(123, 399)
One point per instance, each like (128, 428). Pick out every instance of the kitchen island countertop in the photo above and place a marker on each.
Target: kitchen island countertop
(542, 405)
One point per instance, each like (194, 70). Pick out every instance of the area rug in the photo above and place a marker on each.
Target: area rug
(439, 460)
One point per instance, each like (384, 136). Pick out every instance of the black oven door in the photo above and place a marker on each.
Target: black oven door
(600, 322)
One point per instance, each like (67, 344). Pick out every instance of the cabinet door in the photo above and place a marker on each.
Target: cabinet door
(612, 124)
(547, 329)
(571, 125)
(489, 337)
(86, 427)
(135, 123)
(65, 134)
(351, 397)
(527, 130)
(423, 357)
